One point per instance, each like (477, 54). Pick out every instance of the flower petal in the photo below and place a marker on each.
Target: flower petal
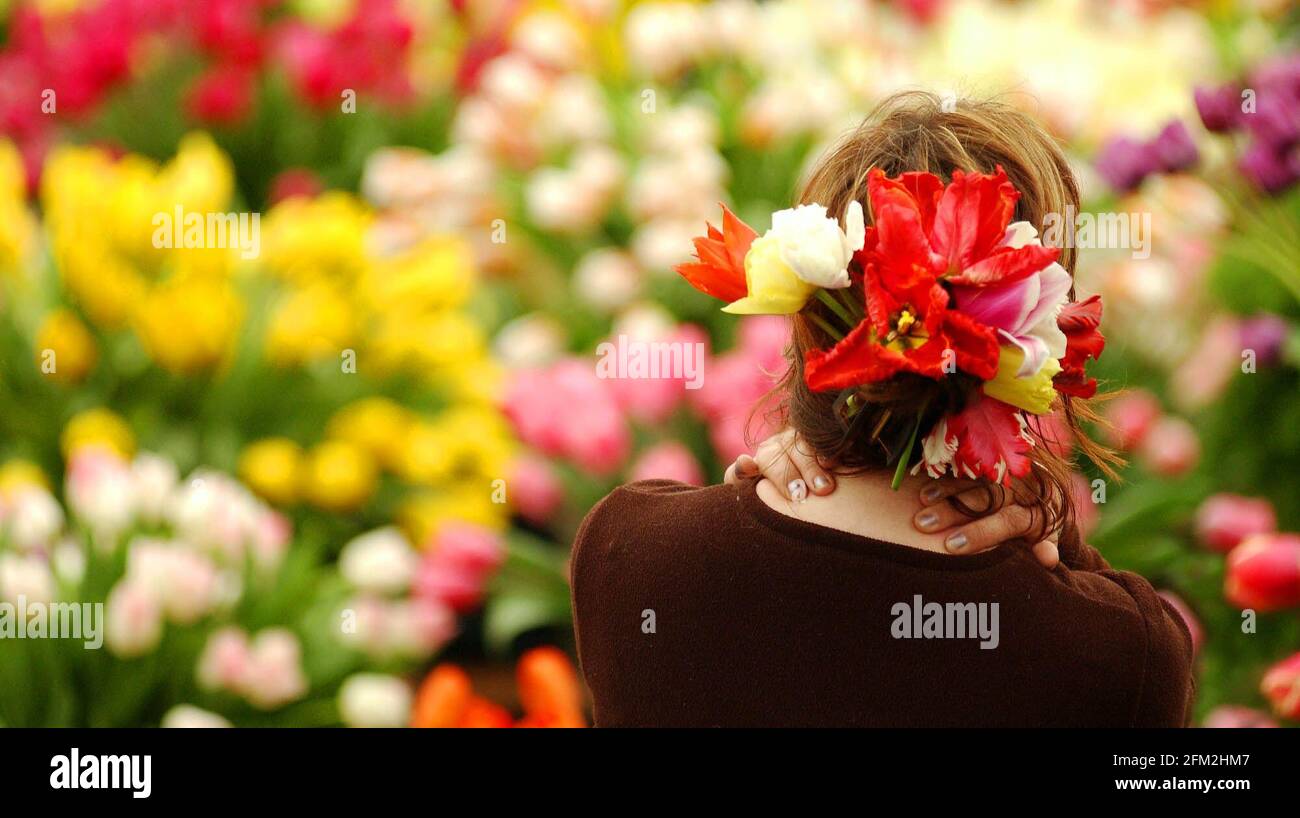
(1006, 264)
(972, 217)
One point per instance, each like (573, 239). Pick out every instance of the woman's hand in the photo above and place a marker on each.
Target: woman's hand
(1001, 520)
(786, 461)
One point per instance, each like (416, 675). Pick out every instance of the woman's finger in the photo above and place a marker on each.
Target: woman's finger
(1007, 523)
(775, 464)
(934, 518)
(1047, 554)
(818, 480)
(942, 488)
(745, 466)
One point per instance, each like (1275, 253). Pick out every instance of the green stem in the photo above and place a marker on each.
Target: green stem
(906, 456)
(826, 326)
(836, 307)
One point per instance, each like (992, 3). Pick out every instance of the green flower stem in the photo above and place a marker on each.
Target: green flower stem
(906, 456)
(826, 326)
(836, 307)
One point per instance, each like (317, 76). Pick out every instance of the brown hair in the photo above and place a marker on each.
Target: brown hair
(912, 131)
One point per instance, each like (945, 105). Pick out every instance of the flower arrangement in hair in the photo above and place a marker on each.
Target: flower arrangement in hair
(932, 329)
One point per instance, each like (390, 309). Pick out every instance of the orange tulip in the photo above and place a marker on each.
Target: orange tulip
(548, 689)
(444, 698)
(483, 713)
(720, 271)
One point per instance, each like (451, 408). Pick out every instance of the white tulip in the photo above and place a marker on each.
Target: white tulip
(381, 561)
(189, 716)
(27, 576)
(33, 518)
(814, 246)
(375, 700)
(155, 479)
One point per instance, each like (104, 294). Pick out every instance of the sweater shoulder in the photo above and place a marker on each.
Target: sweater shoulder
(653, 510)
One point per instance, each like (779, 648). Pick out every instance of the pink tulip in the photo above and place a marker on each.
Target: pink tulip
(1189, 619)
(566, 411)
(225, 660)
(1224, 520)
(668, 461)
(535, 489)
(458, 564)
(1235, 716)
(1281, 686)
(729, 434)
(1208, 369)
(418, 627)
(765, 338)
(1022, 311)
(653, 400)
(1171, 447)
(274, 675)
(133, 620)
(1131, 416)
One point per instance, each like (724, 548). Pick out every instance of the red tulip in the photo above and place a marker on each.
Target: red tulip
(1281, 686)
(1263, 572)
(223, 95)
(1224, 520)
(292, 182)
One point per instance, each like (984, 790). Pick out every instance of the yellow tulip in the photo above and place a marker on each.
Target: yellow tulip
(339, 476)
(190, 324)
(438, 273)
(378, 425)
(423, 514)
(311, 323)
(65, 349)
(307, 239)
(98, 427)
(1033, 394)
(17, 474)
(199, 178)
(773, 287)
(427, 455)
(272, 467)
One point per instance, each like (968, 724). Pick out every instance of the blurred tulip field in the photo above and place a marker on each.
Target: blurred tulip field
(327, 471)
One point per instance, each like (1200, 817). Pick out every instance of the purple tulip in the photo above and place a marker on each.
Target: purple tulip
(1271, 170)
(1276, 120)
(1174, 149)
(1124, 162)
(1279, 72)
(1266, 334)
(1219, 107)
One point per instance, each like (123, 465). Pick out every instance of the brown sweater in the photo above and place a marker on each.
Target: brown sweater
(704, 606)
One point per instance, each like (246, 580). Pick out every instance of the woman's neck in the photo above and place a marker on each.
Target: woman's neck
(863, 504)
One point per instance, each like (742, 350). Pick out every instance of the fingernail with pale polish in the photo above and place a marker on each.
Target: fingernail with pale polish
(930, 494)
(798, 491)
(956, 542)
(927, 519)
(820, 482)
